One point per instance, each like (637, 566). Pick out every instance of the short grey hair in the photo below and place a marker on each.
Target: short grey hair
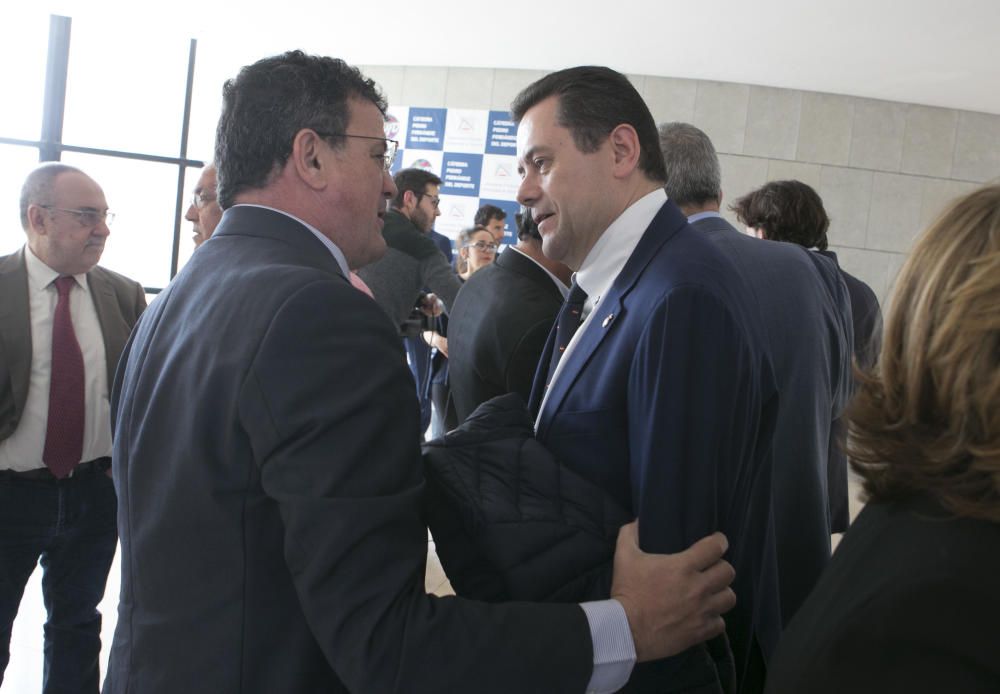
(37, 188)
(693, 173)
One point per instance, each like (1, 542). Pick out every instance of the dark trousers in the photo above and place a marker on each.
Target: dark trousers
(70, 524)
(419, 354)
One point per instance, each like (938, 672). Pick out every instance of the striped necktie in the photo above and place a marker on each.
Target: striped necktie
(569, 319)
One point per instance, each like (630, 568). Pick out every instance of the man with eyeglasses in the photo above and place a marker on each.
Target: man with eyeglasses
(413, 264)
(204, 212)
(267, 455)
(63, 324)
(415, 272)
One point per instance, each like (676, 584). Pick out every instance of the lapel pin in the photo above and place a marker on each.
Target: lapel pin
(607, 321)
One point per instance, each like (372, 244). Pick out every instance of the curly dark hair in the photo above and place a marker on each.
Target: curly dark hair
(785, 211)
(270, 101)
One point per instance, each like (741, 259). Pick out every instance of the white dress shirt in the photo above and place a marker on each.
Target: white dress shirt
(22, 451)
(604, 263)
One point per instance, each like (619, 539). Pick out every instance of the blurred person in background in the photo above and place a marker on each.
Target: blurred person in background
(501, 320)
(477, 247)
(792, 212)
(204, 212)
(494, 219)
(476, 250)
(909, 602)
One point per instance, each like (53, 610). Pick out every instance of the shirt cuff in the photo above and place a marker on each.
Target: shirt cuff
(614, 651)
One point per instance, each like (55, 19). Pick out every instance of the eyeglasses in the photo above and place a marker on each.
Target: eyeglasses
(86, 218)
(484, 246)
(199, 200)
(435, 200)
(391, 146)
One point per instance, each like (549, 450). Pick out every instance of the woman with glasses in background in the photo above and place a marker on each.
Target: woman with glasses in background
(909, 602)
(477, 248)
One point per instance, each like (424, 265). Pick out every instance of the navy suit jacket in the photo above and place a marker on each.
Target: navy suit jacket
(668, 402)
(806, 315)
(270, 487)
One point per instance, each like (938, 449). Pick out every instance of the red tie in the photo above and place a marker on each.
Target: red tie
(64, 432)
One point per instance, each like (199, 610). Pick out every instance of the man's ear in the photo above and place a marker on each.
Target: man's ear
(410, 201)
(306, 159)
(625, 148)
(36, 219)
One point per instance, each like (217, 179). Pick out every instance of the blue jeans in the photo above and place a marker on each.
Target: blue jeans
(420, 363)
(70, 524)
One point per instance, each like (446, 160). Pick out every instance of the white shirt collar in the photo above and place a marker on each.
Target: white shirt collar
(337, 254)
(697, 216)
(40, 275)
(613, 249)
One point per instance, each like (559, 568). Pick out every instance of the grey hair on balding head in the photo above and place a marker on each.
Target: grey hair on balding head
(693, 173)
(37, 187)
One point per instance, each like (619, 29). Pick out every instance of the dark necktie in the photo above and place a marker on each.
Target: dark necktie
(64, 431)
(569, 319)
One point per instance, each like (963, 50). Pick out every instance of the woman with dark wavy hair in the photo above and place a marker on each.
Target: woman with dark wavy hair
(911, 600)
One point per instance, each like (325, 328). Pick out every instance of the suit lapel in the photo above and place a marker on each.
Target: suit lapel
(608, 314)
(15, 325)
(106, 305)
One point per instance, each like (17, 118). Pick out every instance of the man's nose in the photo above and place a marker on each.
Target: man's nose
(527, 192)
(388, 186)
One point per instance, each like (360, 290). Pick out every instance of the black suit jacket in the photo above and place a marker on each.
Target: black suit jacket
(908, 605)
(867, 318)
(270, 486)
(498, 328)
(118, 302)
(806, 315)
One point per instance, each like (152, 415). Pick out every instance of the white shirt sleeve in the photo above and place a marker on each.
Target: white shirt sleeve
(614, 651)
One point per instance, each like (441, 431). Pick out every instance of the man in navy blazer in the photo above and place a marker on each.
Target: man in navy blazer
(267, 457)
(791, 211)
(665, 395)
(806, 311)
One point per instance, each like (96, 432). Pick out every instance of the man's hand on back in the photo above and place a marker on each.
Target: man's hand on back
(673, 601)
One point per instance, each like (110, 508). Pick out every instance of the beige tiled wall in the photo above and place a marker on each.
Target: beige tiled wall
(884, 169)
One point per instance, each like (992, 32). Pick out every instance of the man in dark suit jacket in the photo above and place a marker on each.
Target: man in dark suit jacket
(664, 396)
(501, 319)
(63, 324)
(269, 476)
(806, 316)
(792, 211)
